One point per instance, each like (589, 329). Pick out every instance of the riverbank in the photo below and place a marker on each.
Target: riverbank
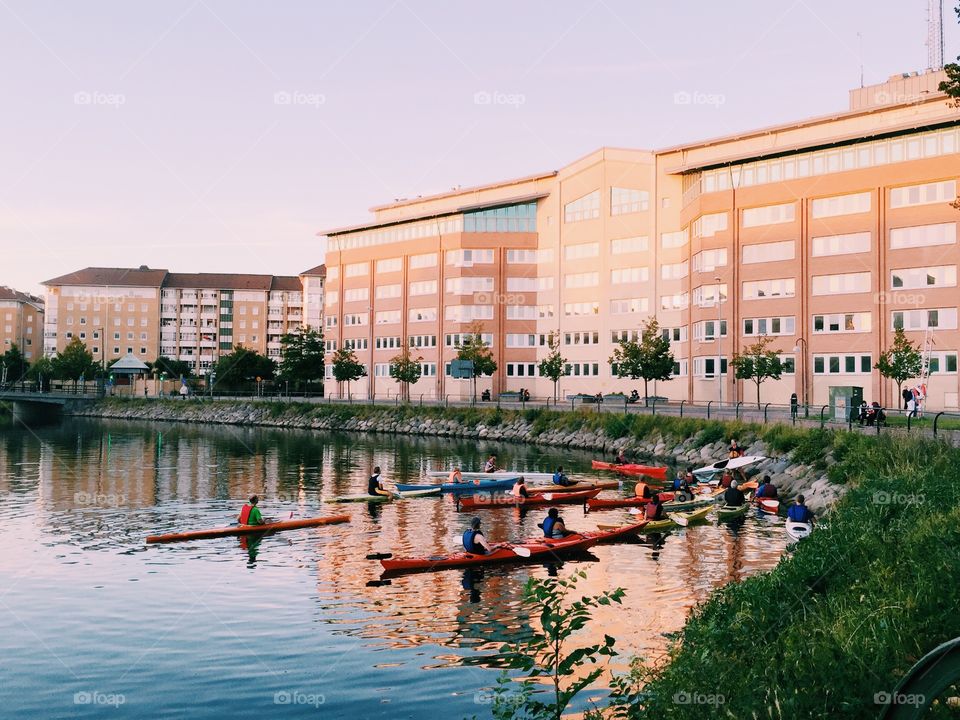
(798, 459)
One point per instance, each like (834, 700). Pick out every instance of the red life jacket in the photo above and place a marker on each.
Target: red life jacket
(654, 511)
(245, 514)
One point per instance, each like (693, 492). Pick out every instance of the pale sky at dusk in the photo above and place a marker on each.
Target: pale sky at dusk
(221, 136)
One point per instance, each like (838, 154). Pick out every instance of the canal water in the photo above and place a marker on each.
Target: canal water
(97, 624)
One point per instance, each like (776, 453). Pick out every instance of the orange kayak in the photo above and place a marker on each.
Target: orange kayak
(534, 500)
(653, 471)
(248, 529)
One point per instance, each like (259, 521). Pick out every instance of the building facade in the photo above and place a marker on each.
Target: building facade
(824, 235)
(21, 322)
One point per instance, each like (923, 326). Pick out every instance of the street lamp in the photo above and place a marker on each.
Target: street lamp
(803, 374)
(719, 343)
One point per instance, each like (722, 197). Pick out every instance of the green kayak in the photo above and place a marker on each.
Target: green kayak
(730, 512)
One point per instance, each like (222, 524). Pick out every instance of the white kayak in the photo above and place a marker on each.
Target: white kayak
(728, 464)
(798, 530)
(531, 477)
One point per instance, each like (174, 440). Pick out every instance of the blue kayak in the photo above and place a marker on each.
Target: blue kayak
(468, 486)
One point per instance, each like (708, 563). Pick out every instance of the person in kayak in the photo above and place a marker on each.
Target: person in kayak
(455, 476)
(375, 484)
(734, 497)
(727, 479)
(559, 478)
(250, 513)
(691, 478)
(681, 488)
(621, 458)
(520, 488)
(654, 510)
(474, 541)
(490, 465)
(799, 512)
(642, 490)
(553, 525)
(767, 489)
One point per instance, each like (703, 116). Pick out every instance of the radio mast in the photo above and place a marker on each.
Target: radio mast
(935, 34)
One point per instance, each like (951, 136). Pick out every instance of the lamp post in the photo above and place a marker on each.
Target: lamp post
(803, 373)
(719, 344)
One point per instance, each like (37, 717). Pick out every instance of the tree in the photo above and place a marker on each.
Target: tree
(14, 364)
(346, 367)
(301, 356)
(173, 368)
(242, 366)
(474, 349)
(756, 363)
(41, 371)
(75, 362)
(900, 362)
(406, 370)
(554, 365)
(648, 358)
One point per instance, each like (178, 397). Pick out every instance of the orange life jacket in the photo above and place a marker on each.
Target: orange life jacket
(516, 490)
(245, 514)
(454, 476)
(643, 490)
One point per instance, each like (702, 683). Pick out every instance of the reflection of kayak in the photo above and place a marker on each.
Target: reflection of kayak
(485, 500)
(654, 471)
(610, 503)
(768, 505)
(498, 475)
(471, 486)
(249, 529)
(729, 512)
(798, 530)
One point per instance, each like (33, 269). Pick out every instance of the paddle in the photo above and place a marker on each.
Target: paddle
(680, 520)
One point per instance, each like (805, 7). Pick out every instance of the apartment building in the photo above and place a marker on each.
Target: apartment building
(21, 322)
(195, 317)
(824, 235)
(312, 281)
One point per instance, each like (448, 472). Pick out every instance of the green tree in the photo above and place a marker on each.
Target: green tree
(242, 366)
(301, 356)
(406, 370)
(757, 363)
(75, 361)
(902, 361)
(647, 358)
(41, 371)
(346, 367)
(554, 365)
(474, 349)
(173, 368)
(14, 364)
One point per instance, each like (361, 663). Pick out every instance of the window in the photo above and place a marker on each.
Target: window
(581, 338)
(468, 313)
(521, 257)
(522, 284)
(706, 367)
(769, 326)
(385, 317)
(706, 330)
(843, 323)
(624, 201)
(583, 250)
(762, 289)
(629, 275)
(521, 370)
(923, 236)
(459, 339)
(924, 194)
(381, 370)
(677, 334)
(617, 336)
(519, 340)
(679, 368)
(841, 284)
(913, 278)
(356, 269)
(521, 312)
(629, 245)
(469, 258)
(521, 217)
(545, 311)
(673, 239)
(582, 369)
(940, 318)
(387, 343)
(389, 265)
(708, 295)
(769, 215)
(422, 341)
(330, 346)
(331, 321)
(842, 364)
(356, 295)
(628, 305)
(422, 287)
(841, 205)
(581, 280)
(578, 309)
(419, 262)
(428, 369)
(706, 226)
(675, 271)
(428, 314)
(356, 344)
(942, 362)
(709, 260)
(584, 208)
(769, 252)
(355, 319)
(678, 301)
(847, 244)
(469, 285)
(332, 297)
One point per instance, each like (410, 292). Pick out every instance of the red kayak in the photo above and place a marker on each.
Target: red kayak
(248, 529)
(485, 500)
(653, 471)
(604, 503)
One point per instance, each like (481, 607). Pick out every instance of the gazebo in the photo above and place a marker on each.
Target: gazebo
(128, 368)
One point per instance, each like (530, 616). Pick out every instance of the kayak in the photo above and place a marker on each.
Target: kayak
(498, 475)
(654, 471)
(692, 516)
(610, 503)
(730, 512)
(728, 464)
(650, 526)
(768, 505)
(385, 498)
(705, 500)
(798, 530)
(464, 487)
(485, 500)
(249, 529)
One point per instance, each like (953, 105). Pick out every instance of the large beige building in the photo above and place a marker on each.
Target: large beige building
(824, 234)
(21, 322)
(195, 317)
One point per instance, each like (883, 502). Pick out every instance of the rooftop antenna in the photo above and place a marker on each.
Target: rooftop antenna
(860, 40)
(935, 35)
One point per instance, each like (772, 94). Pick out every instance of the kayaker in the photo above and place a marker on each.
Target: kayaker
(560, 479)
(490, 465)
(553, 526)
(455, 476)
(654, 510)
(799, 512)
(250, 513)
(691, 478)
(734, 497)
(681, 487)
(473, 539)
(727, 479)
(735, 450)
(643, 491)
(766, 489)
(621, 458)
(520, 488)
(375, 485)
(679, 480)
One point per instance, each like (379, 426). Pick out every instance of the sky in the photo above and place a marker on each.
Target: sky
(222, 135)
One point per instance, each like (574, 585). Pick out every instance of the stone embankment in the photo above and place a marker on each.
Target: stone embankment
(791, 478)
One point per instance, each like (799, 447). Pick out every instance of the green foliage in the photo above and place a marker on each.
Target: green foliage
(711, 433)
(648, 358)
(75, 362)
(554, 365)
(756, 363)
(346, 367)
(242, 366)
(15, 364)
(301, 356)
(902, 361)
(174, 369)
(406, 370)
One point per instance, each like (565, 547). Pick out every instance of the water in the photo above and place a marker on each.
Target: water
(95, 623)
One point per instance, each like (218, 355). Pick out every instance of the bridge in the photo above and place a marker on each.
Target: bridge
(33, 406)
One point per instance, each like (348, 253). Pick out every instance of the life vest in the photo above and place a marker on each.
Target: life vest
(798, 513)
(643, 490)
(454, 476)
(489, 466)
(469, 541)
(516, 491)
(654, 511)
(558, 478)
(548, 527)
(245, 514)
